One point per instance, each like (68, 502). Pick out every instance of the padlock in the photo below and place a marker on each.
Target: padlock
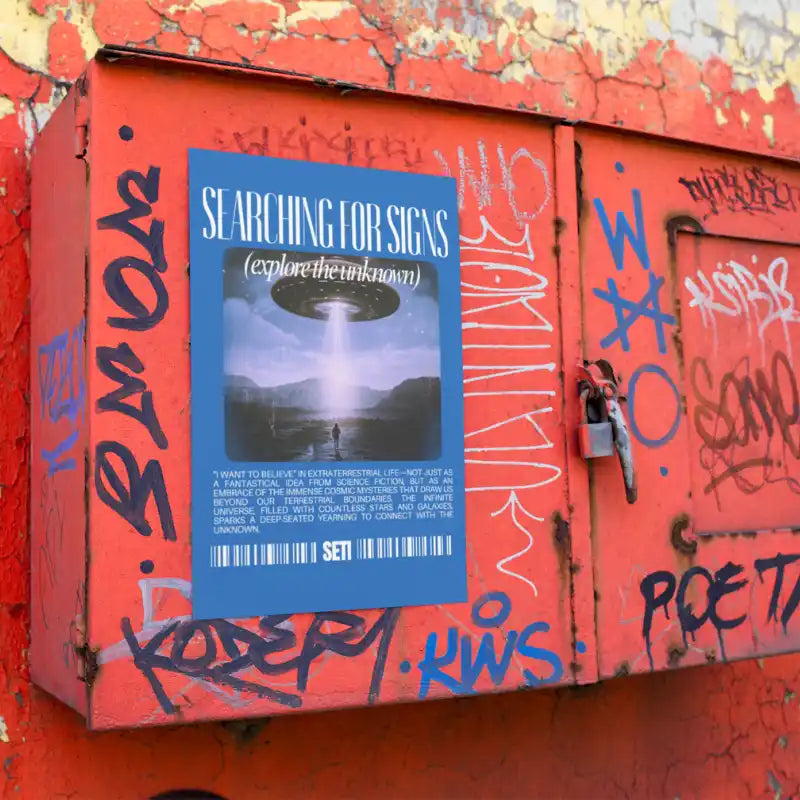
(596, 438)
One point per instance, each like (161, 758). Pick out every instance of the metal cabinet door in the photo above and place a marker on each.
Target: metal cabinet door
(529, 617)
(690, 268)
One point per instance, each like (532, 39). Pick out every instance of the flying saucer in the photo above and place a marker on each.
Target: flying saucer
(318, 297)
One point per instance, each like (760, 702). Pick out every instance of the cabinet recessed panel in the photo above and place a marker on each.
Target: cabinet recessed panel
(741, 336)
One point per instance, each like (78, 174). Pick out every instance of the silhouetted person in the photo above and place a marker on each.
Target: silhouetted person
(335, 434)
(272, 422)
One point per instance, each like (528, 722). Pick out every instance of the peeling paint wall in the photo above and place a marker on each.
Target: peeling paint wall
(717, 71)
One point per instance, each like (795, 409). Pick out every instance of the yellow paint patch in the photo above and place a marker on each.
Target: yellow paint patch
(778, 45)
(6, 107)
(766, 89)
(426, 37)
(719, 116)
(792, 67)
(317, 9)
(502, 36)
(552, 28)
(768, 126)
(23, 33)
(727, 15)
(4, 731)
(82, 20)
(745, 118)
(793, 23)
(515, 71)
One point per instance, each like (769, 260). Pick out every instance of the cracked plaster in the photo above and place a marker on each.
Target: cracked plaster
(547, 55)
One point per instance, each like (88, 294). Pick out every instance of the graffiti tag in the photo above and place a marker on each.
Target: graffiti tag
(750, 190)
(471, 664)
(761, 299)
(747, 407)
(236, 657)
(63, 388)
(663, 589)
(127, 491)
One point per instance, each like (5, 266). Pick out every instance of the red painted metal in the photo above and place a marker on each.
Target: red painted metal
(703, 567)
(577, 244)
(144, 661)
(58, 379)
(739, 337)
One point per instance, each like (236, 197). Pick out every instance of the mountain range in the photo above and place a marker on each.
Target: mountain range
(309, 394)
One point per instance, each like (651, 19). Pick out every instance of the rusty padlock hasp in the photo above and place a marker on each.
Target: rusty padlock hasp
(596, 438)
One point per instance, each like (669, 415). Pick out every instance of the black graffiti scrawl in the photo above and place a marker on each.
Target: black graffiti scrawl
(120, 481)
(664, 590)
(238, 658)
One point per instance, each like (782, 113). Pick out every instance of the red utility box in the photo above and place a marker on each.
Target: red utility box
(656, 277)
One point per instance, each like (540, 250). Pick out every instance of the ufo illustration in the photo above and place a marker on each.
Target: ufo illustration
(318, 297)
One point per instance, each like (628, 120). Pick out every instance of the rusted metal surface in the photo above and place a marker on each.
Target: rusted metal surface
(155, 665)
(699, 312)
(646, 307)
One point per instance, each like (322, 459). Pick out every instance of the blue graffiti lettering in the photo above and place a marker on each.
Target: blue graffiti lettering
(459, 650)
(431, 665)
(649, 307)
(616, 238)
(539, 653)
(61, 379)
(62, 387)
(654, 441)
(471, 670)
(55, 458)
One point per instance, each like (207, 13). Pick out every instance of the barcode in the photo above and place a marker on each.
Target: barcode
(263, 555)
(404, 547)
(366, 549)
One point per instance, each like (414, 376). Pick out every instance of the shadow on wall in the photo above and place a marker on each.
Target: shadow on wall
(187, 794)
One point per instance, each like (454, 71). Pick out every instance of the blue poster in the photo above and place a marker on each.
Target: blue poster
(327, 401)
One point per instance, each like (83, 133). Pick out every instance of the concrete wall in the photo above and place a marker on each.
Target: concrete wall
(717, 72)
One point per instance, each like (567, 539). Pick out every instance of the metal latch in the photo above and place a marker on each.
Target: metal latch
(603, 427)
(595, 435)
